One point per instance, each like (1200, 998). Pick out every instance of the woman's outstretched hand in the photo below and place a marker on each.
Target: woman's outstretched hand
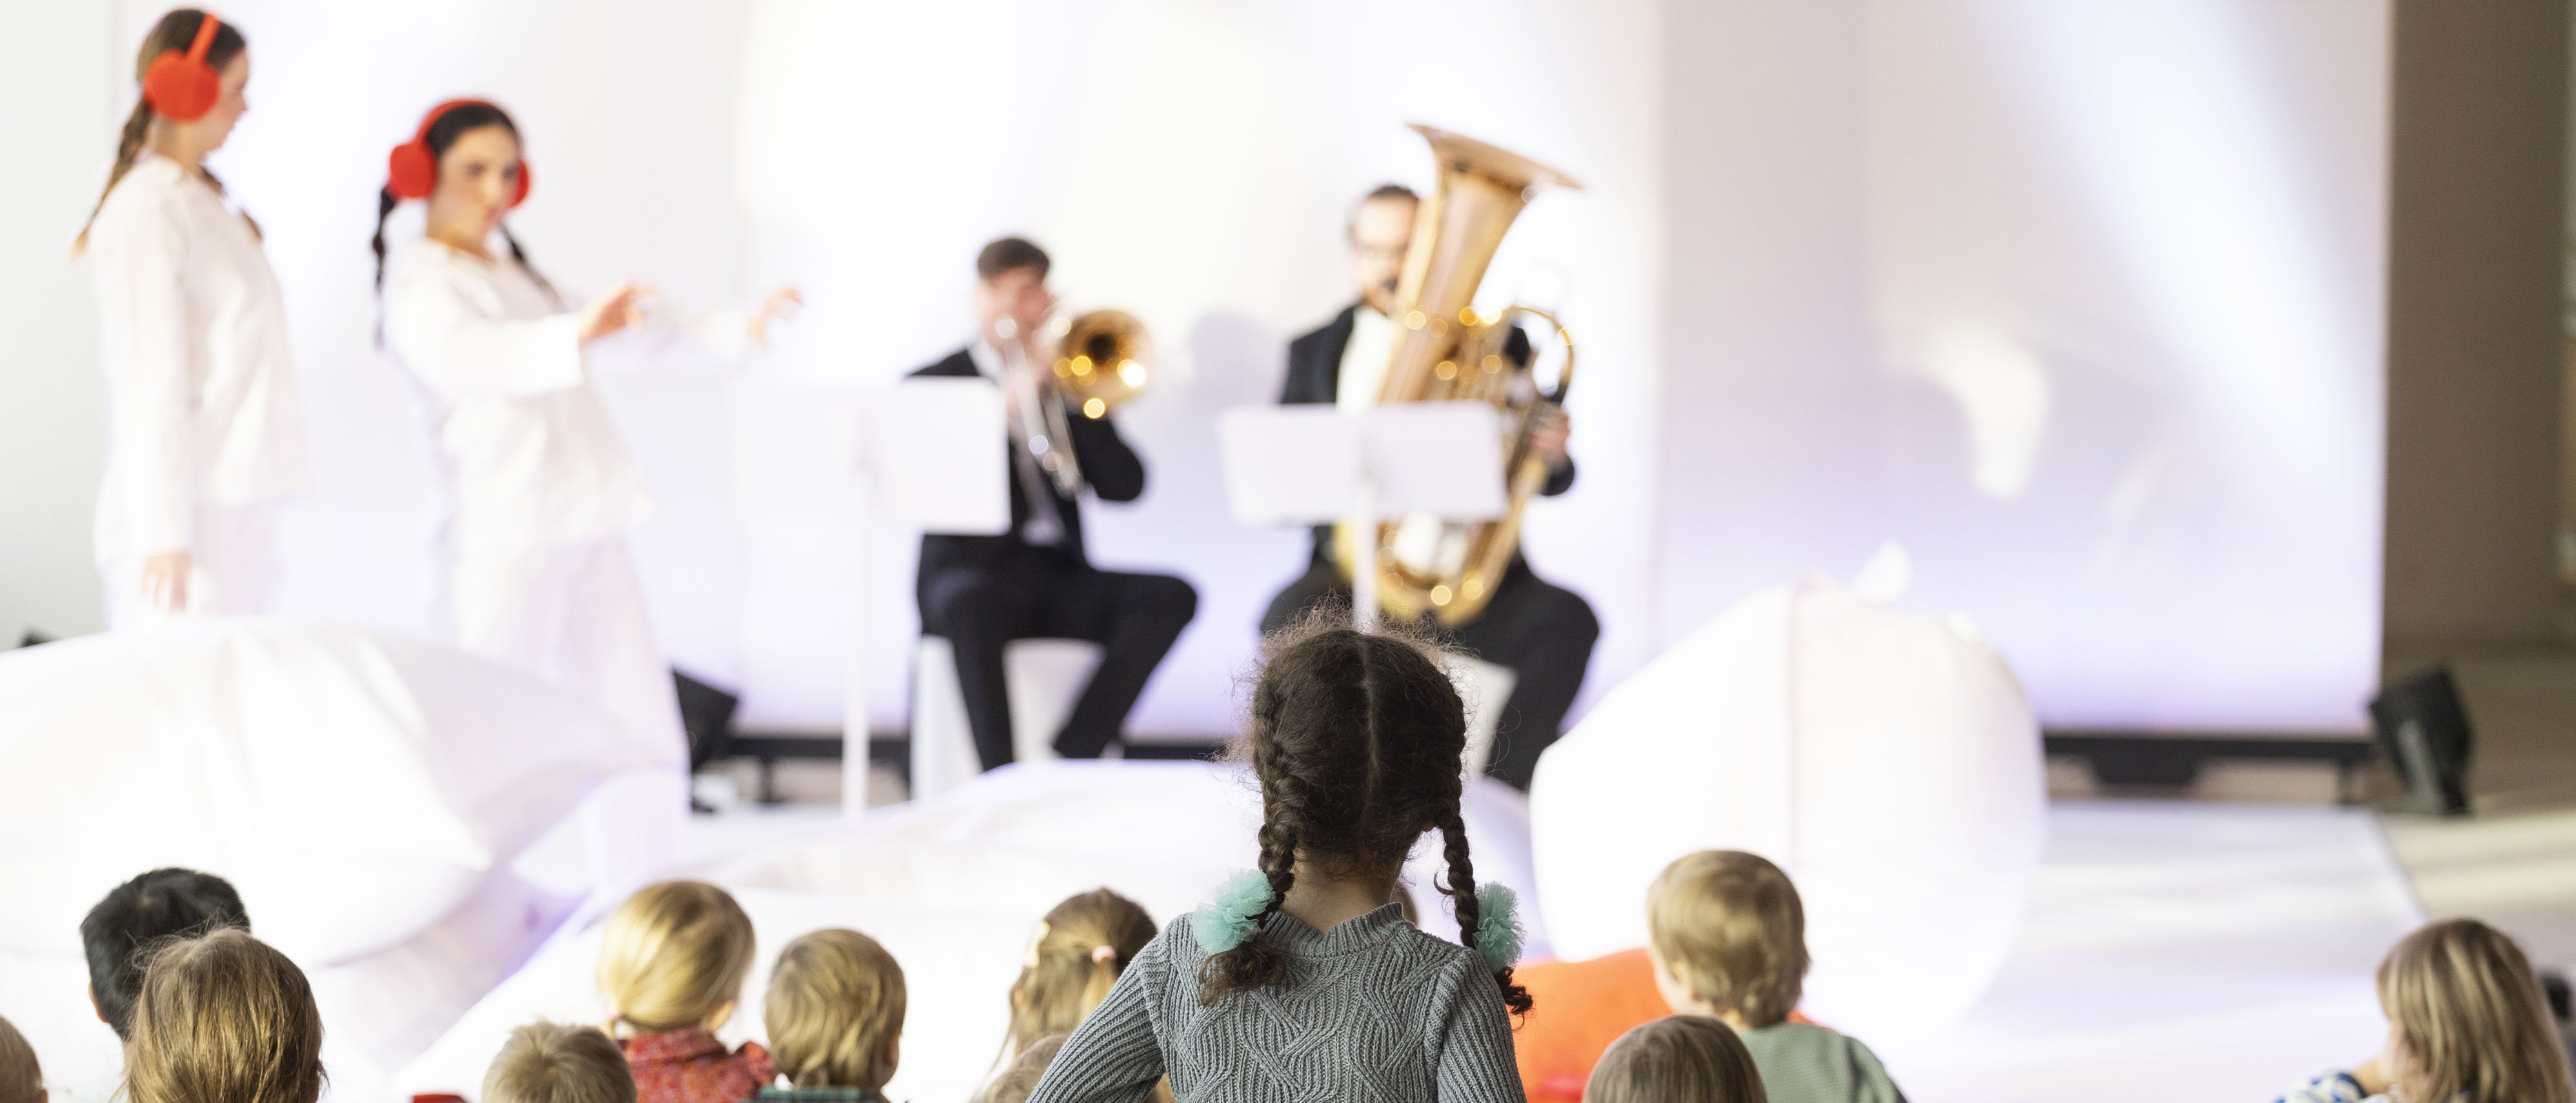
(618, 308)
(779, 306)
(165, 581)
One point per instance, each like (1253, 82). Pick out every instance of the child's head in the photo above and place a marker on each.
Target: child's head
(1081, 947)
(1019, 1080)
(835, 1011)
(1357, 738)
(133, 916)
(1690, 1057)
(673, 958)
(558, 1063)
(21, 1079)
(2466, 1019)
(1728, 936)
(224, 1017)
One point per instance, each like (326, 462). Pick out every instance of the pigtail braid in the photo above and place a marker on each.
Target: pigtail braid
(521, 255)
(1255, 963)
(1461, 888)
(129, 145)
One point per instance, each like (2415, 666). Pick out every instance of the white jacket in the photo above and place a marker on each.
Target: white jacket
(530, 456)
(203, 407)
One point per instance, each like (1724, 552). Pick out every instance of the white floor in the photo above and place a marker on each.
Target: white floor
(2182, 950)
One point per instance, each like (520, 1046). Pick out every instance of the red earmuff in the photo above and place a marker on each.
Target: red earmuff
(182, 87)
(411, 172)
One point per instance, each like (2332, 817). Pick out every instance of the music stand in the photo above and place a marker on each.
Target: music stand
(921, 454)
(1313, 464)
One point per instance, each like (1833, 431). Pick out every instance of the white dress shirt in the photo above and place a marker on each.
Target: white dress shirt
(1043, 528)
(1364, 359)
(203, 407)
(530, 455)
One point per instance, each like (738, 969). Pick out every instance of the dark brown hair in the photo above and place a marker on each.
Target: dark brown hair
(177, 30)
(224, 1017)
(125, 925)
(1377, 194)
(1008, 253)
(1358, 740)
(451, 125)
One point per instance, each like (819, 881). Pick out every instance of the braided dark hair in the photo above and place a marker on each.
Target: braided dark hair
(177, 30)
(1358, 739)
(451, 125)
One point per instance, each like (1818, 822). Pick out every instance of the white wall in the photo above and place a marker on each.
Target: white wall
(59, 108)
(2080, 303)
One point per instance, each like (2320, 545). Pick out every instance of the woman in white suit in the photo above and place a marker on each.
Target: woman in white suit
(540, 490)
(206, 433)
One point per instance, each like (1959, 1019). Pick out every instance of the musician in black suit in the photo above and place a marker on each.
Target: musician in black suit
(1543, 632)
(984, 591)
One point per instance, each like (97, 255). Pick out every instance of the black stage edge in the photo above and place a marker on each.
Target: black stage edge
(2173, 761)
(2126, 759)
(894, 751)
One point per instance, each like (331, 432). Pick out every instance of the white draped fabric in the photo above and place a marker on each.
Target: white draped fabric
(1886, 759)
(953, 886)
(399, 816)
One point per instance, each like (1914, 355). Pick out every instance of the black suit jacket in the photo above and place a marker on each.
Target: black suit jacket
(1315, 375)
(1109, 467)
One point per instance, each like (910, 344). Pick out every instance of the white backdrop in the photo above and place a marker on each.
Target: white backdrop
(2080, 303)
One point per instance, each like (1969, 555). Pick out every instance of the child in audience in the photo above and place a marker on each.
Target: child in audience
(222, 1018)
(139, 913)
(558, 1063)
(835, 1018)
(1081, 947)
(671, 965)
(1301, 979)
(1728, 938)
(2466, 1024)
(1020, 1077)
(1693, 1058)
(21, 1079)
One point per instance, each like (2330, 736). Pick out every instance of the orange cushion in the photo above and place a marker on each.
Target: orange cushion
(1579, 1008)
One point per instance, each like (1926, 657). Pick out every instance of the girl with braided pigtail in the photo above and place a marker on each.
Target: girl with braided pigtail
(1301, 979)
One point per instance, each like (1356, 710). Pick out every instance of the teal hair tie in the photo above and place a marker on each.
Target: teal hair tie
(1498, 925)
(1230, 917)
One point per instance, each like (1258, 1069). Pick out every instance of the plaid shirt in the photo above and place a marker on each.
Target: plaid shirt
(691, 1066)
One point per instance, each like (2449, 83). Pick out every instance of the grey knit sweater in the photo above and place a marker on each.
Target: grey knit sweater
(1374, 1011)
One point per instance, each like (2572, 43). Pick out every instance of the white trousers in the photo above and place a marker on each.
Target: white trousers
(233, 569)
(575, 615)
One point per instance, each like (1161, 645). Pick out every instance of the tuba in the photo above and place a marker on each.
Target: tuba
(1101, 360)
(1448, 352)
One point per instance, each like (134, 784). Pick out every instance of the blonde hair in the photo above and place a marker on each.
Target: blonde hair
(1019, 1080)
(22, 1080)
(835, 1001)
(1730, 927)
(673, 957)
(1081, 947)
(1690, 1057)
(547, 1062)
(2471, 1023)
(224, 1017)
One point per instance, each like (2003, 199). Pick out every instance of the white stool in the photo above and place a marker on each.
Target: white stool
(1045, 677)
